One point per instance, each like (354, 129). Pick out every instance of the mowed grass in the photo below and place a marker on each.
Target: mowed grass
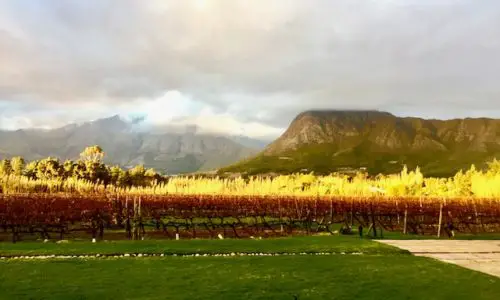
(282, 277)
(310, 244)
(383, 272)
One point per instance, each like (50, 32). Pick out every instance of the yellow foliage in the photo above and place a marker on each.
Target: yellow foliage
(472, 183)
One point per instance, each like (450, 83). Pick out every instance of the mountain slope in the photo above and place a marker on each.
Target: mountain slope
(329, 141)
(166, 151)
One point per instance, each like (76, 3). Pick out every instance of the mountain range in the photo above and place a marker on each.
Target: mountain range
(319, 141)
(169, 151)
(378, 142)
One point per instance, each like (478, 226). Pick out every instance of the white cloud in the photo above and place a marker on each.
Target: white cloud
(162, 110)
(228, 124)
(13, 123)
(255, 64)
(177, 109)
(173, 108)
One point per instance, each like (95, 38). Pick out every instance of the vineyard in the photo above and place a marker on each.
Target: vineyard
(182, 207)
(62, 215)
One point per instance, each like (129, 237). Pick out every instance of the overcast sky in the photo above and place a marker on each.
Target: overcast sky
(245, 66)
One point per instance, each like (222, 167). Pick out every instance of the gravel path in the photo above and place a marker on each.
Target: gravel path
(483, 256)
(140, 255)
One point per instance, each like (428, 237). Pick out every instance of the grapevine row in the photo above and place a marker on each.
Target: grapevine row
(195, 216)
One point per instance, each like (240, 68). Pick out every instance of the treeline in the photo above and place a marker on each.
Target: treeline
(90, 175)
(90, 168)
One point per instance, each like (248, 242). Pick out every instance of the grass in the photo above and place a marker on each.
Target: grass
(383, 272)
(335, 244)
(301, 277)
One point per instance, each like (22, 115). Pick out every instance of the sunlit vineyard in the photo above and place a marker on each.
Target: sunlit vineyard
(188, 207)
(471, 183)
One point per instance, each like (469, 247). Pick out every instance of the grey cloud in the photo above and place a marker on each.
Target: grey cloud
(260, 60)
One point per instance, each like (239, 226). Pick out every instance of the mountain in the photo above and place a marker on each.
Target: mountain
(171, 151)
(336, 141)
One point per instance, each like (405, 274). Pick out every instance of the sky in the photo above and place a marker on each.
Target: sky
(245, 67)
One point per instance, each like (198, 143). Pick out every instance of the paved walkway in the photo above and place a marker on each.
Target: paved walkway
(483, 256)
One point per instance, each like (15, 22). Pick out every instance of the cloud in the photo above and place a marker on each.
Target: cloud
(170, 110)
(251, 62)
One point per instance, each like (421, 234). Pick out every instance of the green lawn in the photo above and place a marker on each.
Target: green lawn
(338, 244)
(308, 277)
(383, 272)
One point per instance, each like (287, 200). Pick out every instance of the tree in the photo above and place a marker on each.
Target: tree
(124, 179)
(151, 173)
(115, 172)
(97, 171)
(5, 167)
(494, 166)
(17, 163)
(49, 168)
(69, 168)
(152, 177)
(80, 170)
(137, 175)
(31, 169)
(93, 154)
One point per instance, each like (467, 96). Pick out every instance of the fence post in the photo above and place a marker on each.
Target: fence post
(374, 225)
(405, 221)
(440, 219)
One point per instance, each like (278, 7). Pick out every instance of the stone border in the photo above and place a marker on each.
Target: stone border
(144, 255)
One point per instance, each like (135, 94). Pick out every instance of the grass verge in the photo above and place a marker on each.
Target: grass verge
(310, 244)
(301, 277)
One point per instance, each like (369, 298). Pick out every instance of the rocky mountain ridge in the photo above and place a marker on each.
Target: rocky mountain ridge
(328, 141)
(166, 151)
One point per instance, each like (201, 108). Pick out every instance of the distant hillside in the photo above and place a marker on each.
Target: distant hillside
(328, 141)
(166, 151)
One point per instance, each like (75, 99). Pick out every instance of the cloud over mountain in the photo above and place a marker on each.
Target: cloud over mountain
(252, 65)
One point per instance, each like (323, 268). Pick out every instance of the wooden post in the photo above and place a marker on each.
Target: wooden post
(440, 220)
(141, 226)
(281, 220)
(476, 214)
(397, 207)
(373, 220)
(405, 221)
(352, 216)
(134, 226)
